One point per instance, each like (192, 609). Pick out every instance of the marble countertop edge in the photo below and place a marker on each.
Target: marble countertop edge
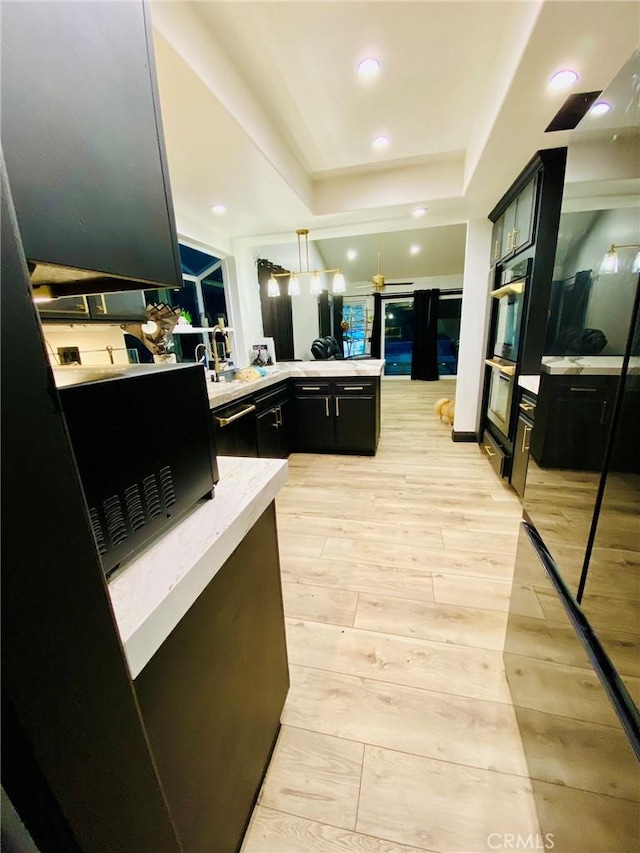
(153, 592)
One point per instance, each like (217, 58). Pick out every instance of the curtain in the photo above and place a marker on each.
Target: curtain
(376, 329)
(424, 357)
(277, 315)
(567, 314)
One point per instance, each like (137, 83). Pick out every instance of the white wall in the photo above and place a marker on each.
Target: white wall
(91, 340)
(243, 295)
(473, 326)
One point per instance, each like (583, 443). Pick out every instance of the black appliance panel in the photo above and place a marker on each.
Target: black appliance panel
(144, 448)
(501, 387)
(510, 297)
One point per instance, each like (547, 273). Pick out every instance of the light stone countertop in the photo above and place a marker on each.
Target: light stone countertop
(588, 365)
(530, 383)
(226, 392)
(152, 592)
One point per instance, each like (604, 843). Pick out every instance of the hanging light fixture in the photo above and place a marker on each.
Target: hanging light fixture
(315, 288)
(273, 288)
(294, 285)
(611, 264)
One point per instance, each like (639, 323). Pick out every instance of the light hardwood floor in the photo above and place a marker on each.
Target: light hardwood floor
(398, 733)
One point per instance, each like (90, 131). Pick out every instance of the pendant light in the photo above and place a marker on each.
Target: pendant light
(611, 264)
(273, 288)
(315, 288)
(294, 285)
(338, 283)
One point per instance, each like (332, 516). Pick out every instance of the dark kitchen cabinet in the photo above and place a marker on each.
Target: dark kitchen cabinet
(520, 458)
(128, 306)
(572, 421)
(83, 142)
(315, 423)
(345, 419)
(235, 429)
(513, 229)
(274, 423)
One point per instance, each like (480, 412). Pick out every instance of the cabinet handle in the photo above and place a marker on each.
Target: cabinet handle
(525, 446)
(589, 390)
(514, 234)
(604, 409)
(509, 241)
(223, 422)
(310, 388)
(337, 407)
(276, 423)
(326, 406)
(496, 251)
(353, 388)
(490, 452)
(527, 407)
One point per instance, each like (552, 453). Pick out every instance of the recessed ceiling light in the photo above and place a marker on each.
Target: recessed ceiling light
(419, 211)
(414, 249)
(600, 108)
(369, 67)
(218, 208)
(563, 79)
(381, 142)
(352, 254)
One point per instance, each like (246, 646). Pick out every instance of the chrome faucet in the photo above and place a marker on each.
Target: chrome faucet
(206, 354)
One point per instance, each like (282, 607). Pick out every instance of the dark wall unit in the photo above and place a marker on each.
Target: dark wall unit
(211, 697)
(63, 669)
(83, 142)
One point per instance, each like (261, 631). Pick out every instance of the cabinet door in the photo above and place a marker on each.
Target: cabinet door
(286, 432)
(520, 455)
(67, 308)
(525, 209)
(576, 435)
(355, 423)
(496, 240)
(235, 430)
(118, 306)
(509, 218)
(82, 139)
(314, 423)
(268, 427)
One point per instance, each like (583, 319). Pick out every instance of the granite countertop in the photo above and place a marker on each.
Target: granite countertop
(225, 392)
(588, 365)
(152, 592)
(530, 383)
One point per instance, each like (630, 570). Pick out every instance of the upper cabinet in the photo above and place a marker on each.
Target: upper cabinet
(514, 228)
(84, 149)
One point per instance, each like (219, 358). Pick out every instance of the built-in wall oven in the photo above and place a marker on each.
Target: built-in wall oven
(501, 384)
(510, 298)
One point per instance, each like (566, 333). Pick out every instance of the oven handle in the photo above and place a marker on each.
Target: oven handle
(507, 369)
(223, 422)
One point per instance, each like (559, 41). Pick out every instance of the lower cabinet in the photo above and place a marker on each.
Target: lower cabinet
(315, 427)
(520, 458)
(212, 695)
(573, 416)
(235, 429)
(338, 417)
(498, 459)
(275, 424)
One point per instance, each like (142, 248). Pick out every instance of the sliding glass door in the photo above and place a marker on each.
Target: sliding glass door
(449, 311)
(398, 336)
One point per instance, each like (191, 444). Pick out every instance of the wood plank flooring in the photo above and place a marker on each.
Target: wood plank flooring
(398, 733)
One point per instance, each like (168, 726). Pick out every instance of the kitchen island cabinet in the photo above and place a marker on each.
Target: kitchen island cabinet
(201, 619)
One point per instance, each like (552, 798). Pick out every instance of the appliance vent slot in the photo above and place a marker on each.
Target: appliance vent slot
(98, 535)
(152, 496)
(166, 483)
(135, 510)
(115, 520)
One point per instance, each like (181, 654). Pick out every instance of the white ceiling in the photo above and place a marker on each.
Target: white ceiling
(263, 111)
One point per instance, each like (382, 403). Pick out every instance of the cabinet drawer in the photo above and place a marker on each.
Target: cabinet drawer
(311, 386)
(527, 407)
(271, 396)
(495, 454)
(354, 386)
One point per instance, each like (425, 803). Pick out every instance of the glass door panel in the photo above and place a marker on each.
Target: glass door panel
(449, 312)
(398, 337)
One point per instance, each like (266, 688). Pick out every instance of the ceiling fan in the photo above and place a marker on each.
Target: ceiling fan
(377, 280)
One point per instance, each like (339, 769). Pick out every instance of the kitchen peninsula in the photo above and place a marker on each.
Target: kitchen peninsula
(200, 617)
(316, 406)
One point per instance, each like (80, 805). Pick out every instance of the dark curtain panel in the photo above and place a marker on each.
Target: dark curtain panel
(424, 358)
(324, 314)
(376, 329)
(277, 317)
(337, 319)
(567, 314)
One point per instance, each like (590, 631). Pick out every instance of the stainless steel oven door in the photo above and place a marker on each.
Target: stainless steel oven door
(500, 395)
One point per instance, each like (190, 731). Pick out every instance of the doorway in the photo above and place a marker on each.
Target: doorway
(397, 345)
